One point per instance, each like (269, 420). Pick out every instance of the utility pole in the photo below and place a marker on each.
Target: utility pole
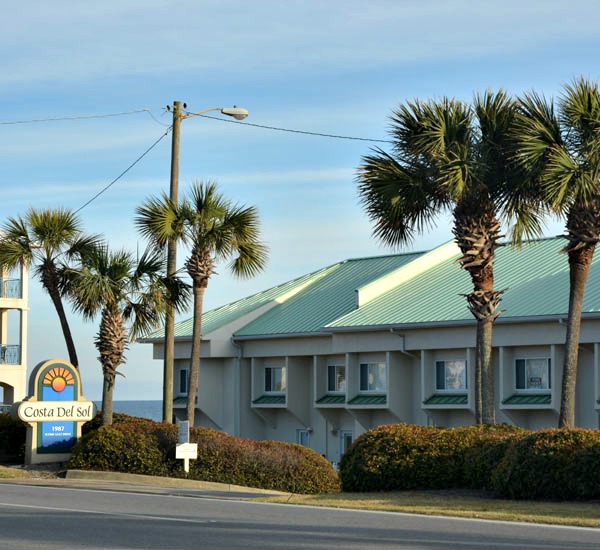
(169, 344)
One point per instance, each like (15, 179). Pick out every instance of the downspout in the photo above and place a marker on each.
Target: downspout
(237, 374)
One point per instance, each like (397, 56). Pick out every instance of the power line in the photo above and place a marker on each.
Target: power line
(83, 117)
(334, 136)
(125, 171)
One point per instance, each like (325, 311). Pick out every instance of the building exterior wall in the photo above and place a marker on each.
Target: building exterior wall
(13, 336)
(232, 396)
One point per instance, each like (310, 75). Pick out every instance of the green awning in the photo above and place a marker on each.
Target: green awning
(447, 399)
(368, 400)
(270, 400)
(332, 400)
(532, 399)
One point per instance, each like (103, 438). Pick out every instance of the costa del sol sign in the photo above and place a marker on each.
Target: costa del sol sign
(54, 411)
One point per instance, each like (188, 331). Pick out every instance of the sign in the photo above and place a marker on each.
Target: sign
(186, 452)
(183, 431)
(54, 411)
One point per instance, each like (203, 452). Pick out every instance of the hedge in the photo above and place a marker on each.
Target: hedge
(405, 456)
(551, 464)
(143, 446)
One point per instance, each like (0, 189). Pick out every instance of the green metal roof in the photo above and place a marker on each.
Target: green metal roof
(522, 399)
(447, 399)
(270, 400)
(332, 400)
(219, 317)
(326, 299)
(536, 278)
(368, 400)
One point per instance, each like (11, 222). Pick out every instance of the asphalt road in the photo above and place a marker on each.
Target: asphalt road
(47, 516)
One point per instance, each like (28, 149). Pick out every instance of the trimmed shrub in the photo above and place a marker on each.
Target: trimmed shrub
(142, 446)
(404, 456)
(12, 437)
(263, 464)
(109, 448)
(551, 464)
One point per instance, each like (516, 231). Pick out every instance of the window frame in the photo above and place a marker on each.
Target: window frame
(527, 390)
(334, 369)
(379, 365)
(269, 378)
(445, 389)
(184, 376)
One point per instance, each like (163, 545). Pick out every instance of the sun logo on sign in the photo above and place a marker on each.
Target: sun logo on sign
(58, 379)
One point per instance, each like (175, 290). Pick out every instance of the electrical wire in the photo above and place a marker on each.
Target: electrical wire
(83, 117)
(334, 136)
(124, 171)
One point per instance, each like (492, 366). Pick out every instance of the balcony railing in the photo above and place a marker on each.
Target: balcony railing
(10, 355)
(10, 288)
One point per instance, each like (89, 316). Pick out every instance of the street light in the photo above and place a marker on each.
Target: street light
(169, 351)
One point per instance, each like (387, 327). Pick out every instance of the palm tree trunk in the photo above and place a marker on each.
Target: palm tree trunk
(64, 324)
(580, 261)
(108, 387)
(477, 232)
(198, 289)
(484, 358)
(111, 342)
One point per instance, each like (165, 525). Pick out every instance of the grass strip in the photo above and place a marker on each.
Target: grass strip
(442, 503)
(7, 473)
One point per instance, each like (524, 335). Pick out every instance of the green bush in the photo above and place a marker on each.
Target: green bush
(109, 448)
(264, 464)
(404, 456)
(12, 437)
(551, 464)
(137, 445)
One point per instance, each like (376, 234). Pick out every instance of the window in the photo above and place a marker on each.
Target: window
(451, 376)
(275, 379)
(183, 380)
(336, 378)
(302, 437)
(372, 377)
(533, 374)
(345, 441)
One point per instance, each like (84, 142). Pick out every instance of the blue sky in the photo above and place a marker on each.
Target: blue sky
(335, 67)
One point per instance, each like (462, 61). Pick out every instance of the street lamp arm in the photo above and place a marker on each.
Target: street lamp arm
(235, 112)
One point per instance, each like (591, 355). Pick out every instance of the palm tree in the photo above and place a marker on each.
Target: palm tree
(215, 230)
(560, 154)
(50, 239)
(131, 296)
(448, 156)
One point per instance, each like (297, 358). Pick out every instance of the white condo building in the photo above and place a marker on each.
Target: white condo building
(13, 336)
(364, 342)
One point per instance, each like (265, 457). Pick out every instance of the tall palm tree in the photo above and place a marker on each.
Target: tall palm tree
(51, 240)
(216, 230)
(130, 296)
(448, 156)
(560, 154)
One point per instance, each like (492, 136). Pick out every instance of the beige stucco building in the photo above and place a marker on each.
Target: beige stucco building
(325, 357)
(13, 336)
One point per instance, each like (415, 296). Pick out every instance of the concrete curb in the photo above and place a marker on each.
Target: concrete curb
(158, 481)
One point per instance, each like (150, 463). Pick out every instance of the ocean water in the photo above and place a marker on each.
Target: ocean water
(143, 409)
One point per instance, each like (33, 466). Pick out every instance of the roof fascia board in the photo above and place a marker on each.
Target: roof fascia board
(380, 286)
